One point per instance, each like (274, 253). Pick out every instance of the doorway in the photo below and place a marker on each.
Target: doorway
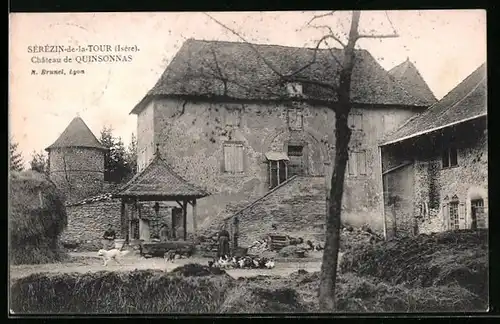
(477, 210)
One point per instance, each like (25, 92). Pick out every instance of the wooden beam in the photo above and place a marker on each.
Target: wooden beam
(180, 204)
(124, 221)
(194, 217)
(184, 218)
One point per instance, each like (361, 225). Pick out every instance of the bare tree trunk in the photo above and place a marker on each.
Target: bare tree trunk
(342, 138)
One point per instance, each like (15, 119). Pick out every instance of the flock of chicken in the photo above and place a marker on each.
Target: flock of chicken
(246, 262)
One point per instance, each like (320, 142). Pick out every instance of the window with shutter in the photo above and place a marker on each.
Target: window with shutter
(233, 157)
(449, 157)
(453, 215)
(355, 121)
(356, 165)
(462, 224)
(232, 117)
(278, 173)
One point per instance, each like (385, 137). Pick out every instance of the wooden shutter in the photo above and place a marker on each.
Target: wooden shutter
(361, 159)
(238, 158)
(233, 157)
(462, 223)
(352, 164)
(446, 217)
(228, 157)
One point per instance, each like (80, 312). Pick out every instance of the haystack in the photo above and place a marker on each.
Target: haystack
(37, 218)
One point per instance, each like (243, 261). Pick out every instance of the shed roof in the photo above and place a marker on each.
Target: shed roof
(77, 134)
(159, 181)
(465, 102)
(277, 156)
(199, 68)
(410, 78)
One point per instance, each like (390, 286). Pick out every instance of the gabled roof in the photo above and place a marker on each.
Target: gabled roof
(77, 134)
(465, 102)
(408, 76)
(199, 67)
(160, 181)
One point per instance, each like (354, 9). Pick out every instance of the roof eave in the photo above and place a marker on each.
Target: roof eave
(159, 196)
(51, 147)
(141, 105)
(400, 139)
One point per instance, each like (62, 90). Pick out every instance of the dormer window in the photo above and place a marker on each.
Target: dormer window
(294, 89)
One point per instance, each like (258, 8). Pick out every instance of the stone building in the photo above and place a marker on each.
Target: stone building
(223, 118)
(435, 166)
(76, 162)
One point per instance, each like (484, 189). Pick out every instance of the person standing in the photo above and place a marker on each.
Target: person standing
(109, 238)
(223, 239)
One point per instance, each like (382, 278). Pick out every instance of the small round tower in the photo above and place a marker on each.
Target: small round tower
(76, 162)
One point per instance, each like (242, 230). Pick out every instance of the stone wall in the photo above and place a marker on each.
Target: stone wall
(297, 207)
(77, 172)
(191, 136)
(145, 142)
(87, 220)
(466, 181)
(435, 186)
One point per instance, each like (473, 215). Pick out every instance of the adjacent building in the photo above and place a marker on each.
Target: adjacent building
(435, 166)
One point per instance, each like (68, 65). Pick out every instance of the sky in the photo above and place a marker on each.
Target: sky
(445, 46)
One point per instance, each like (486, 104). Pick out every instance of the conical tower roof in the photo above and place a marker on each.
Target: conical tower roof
(77, 134)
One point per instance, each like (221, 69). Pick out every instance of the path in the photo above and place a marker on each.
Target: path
(88, 262)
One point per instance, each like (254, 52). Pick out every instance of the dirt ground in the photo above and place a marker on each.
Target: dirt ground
(88, 262)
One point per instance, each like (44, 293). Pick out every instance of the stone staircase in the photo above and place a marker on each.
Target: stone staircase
(297, 208)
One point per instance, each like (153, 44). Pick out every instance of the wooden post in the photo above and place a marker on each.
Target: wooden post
(184, 218)
(194, 218)
(124, 231)
(278, 168)
(172, 216)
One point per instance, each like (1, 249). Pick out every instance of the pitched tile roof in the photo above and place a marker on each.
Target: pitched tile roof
(199, 66)
(408, 76)
(465, 102)
(77, 134)
(159, 180)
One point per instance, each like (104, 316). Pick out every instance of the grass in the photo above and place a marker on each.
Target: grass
(107, 292)
(433, 273)
(425, 260)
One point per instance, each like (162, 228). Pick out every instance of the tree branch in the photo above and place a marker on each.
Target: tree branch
(249, 44)
(331, 35)
(333, 55)
(378, 36)
(321, 16)
(222, 77)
